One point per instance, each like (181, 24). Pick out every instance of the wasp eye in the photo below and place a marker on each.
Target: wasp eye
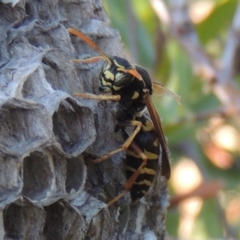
(122, 79)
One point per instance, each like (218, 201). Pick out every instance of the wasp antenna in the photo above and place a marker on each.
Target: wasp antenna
(89, 60)
(133, 72)
(89, 42)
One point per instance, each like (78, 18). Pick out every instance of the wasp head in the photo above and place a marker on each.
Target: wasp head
(116, 74)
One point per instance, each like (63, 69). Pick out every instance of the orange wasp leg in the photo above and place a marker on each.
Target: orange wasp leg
(100, 97)
(128, 185)
(125, 145)
(129, 143)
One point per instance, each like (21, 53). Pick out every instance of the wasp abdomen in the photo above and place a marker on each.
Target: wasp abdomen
(148, 143)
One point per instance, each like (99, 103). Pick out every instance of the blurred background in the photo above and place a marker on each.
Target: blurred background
(192, 47)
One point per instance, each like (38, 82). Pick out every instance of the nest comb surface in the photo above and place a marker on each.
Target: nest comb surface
(44, 131)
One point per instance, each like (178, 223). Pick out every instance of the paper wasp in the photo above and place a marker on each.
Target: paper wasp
(132, 87)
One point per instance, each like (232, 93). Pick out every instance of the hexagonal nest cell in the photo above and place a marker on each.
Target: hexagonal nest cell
(73, 126)
(23, 125)
(63, 222)
(23, 221)
(76, 174)
(36, 86)
(10, 177)
(38, 176)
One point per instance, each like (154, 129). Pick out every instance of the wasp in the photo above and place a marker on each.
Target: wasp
(132, 87)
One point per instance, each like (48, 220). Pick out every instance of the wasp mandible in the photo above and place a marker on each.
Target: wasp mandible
(132, 87)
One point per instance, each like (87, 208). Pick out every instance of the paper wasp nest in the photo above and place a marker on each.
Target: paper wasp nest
(45, 133)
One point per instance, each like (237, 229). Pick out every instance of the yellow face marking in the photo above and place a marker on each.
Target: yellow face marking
(116, 88)
(117, 64)
(105, 83)
(109, 75)
(121, 69)
(135, 95)
(144, 182)
(107, 66)
(118, 75)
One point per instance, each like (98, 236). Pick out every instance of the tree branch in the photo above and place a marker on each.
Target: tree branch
(178, 22)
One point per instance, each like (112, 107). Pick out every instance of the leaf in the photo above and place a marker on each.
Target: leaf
(219, 19)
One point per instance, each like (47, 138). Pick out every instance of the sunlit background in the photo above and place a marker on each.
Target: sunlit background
(203, 137)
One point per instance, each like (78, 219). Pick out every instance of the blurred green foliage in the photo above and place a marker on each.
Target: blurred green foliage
(147, 42)
(218, 21)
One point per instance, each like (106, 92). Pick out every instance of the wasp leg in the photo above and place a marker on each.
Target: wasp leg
(126, 144)
(98, 97)
(128, 185)
(134, 123)
(106, 156)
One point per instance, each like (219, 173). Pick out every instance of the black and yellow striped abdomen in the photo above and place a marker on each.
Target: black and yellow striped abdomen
(147, 141)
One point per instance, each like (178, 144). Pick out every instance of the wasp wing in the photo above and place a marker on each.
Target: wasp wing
(166, 170)
(160, 90)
